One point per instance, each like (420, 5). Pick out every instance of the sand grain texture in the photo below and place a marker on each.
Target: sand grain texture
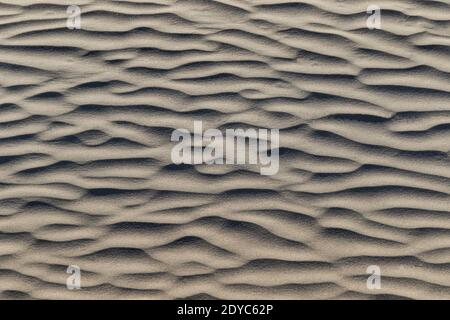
(85, 171)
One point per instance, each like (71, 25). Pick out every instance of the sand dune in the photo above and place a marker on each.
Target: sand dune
(87, 179)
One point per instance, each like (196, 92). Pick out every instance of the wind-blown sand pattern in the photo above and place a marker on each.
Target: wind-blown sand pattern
(87, 179)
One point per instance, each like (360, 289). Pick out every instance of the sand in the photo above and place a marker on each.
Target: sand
(87, 179)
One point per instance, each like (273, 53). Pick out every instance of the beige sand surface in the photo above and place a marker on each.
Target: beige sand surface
(86, 176)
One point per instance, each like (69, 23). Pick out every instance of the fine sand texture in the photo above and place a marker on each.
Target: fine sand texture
(86, 176)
